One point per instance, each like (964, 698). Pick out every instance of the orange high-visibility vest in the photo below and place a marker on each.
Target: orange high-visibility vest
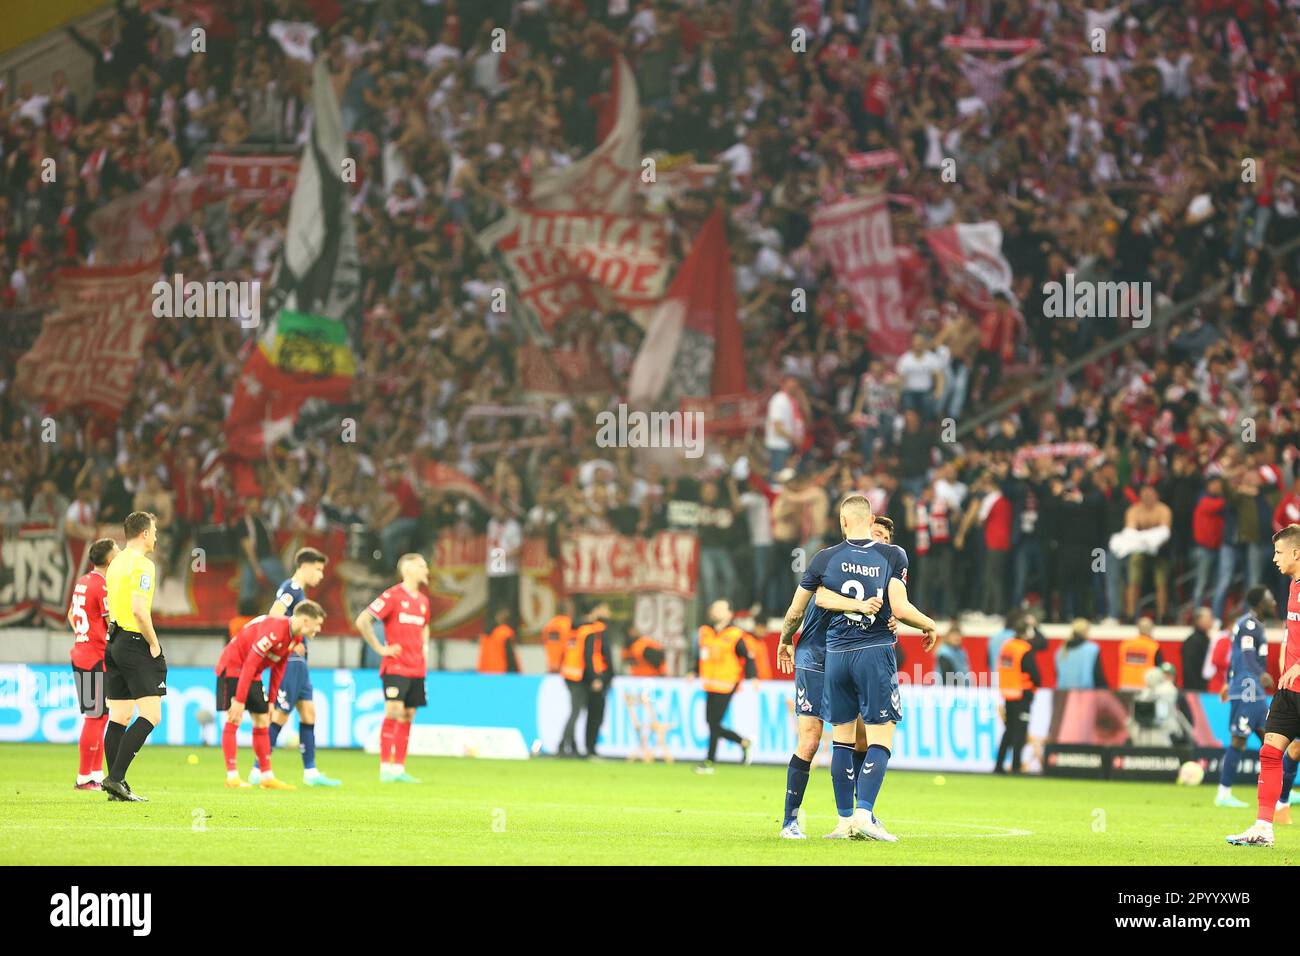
(1137, 655)
(720, 669)
(492, 650)
(1012, 679)
(758, 653)
(573, 666)
(640, 666)
(555, 638)
(237, 624)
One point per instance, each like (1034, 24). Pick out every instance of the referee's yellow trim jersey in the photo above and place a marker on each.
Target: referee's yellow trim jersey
(128, 573)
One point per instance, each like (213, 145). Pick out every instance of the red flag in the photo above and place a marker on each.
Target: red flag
(445, 478)
(693, 346)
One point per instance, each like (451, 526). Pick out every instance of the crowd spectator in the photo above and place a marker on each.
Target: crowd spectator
(1122, 168)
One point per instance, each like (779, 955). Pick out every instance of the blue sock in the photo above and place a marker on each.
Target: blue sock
(307, 745)
(1288, 778)
(275, 732)
(796, 781)
(859, 757)
(842, 778)
(1228, 766)
(872, 776)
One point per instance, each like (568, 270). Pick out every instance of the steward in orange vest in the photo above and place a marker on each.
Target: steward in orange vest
(1013, 677)
(645, 657)
(1018, 677)
(586, 673)
(1138, 655)
(496, 649)
(724, 661)
(555, 637)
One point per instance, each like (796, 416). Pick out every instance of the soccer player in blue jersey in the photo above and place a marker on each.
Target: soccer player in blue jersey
(863, 583)
(808, 662)
(1248, 683)
(296, 690)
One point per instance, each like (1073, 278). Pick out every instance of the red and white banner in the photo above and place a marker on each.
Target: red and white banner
(608, 177)
(562, 261)
(574, 242)
(134, 228)
(875, 159)
(253, 177)
(971, 256)
(618, 564)
(855, 237)
(990, 44)
(1060, 449)
(89, 347)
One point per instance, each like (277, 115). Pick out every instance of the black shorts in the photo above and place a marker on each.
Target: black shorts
(226, 687)
(90, 690)
(407, 690)
(1284, 715)
(130, 672)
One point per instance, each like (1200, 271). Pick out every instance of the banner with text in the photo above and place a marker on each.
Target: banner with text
(855, 238)
(943, 729)
(89, 347)
(619, 564)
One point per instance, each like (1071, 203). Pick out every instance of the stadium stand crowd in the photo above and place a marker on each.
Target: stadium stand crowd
(1122, 167)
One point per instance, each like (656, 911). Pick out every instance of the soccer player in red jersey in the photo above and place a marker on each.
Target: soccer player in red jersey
(263, 641)
(1283, 723)
(404, 612)
(88, 615)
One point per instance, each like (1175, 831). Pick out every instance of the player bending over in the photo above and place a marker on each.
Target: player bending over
(88, 615)
(1283, 722)
(808, 662)
(296, 690)
(264, 641)
(1248, 682)
(861, 678)
(404, 611)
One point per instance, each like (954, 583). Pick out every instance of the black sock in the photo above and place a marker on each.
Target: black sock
(132, 741)
(112, 741)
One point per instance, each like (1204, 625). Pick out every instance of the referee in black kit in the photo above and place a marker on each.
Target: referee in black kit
(135, 671)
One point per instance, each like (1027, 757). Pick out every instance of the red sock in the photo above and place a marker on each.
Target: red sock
(387, 731)
(403, 734)
(229, 748)
(1270, 780)
(99, 752)
(262, 748)
(91, 745)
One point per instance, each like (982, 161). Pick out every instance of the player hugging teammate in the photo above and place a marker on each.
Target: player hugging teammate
(861, 670)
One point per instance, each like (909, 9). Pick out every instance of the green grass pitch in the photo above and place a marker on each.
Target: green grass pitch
(607, 812)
